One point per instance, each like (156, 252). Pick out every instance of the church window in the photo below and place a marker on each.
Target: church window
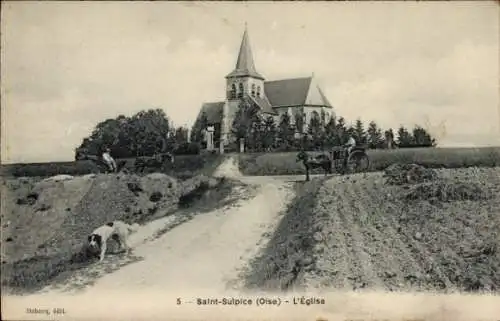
(240, 92)
(258, 91)
(253, 90)
(232, 95)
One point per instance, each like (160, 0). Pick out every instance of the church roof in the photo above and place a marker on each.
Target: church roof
(245, 65)
(295, 92)
(264, 105)
(279, 93)
(213, 111)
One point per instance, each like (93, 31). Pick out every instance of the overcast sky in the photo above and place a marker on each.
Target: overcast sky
(67, 66)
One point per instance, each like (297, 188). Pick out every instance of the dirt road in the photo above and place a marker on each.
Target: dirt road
(204, 253)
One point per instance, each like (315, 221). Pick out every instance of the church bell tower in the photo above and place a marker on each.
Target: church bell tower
(243, 81)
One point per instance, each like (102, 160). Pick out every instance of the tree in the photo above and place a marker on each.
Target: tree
(199, 126)
(405, 138)
(244, 121)
(341, 131)
(421, 138)
(299, 122)
(255, 135)
(350, 131)
(181, 135)
(374, 136)
(315, 131)
(323, 118)
(359, 132)
(151, 131)
(285, 132)
(269, 133)
(145, 133)
(331, 132)
(389, 138)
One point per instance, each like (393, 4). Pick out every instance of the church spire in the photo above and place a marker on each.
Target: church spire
(245, 65)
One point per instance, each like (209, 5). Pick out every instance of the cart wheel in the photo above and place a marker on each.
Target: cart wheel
(358, 162)
(339, 166)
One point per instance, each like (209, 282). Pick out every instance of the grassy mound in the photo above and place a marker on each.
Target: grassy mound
(401, 174)
(421, 183)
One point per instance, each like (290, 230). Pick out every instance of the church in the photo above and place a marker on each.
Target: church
(296, 96)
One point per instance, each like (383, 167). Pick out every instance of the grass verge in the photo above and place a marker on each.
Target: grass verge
(285, 163)
(281, 263)
(185, 166)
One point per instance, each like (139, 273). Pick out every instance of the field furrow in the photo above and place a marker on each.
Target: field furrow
(389, 253)
(335, 264)
(352, 215)
(375, 237)
(433, 277)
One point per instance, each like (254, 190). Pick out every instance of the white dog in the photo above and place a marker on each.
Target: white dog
(117, 230)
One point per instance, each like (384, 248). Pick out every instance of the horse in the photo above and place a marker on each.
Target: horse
(320, 161)
(156, 161)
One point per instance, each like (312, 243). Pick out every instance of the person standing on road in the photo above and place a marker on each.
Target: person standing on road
(110, 162)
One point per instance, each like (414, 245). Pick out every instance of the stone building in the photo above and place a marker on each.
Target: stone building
(273, 97)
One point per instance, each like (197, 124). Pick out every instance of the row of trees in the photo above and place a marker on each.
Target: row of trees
(151, 131)
(263, 133)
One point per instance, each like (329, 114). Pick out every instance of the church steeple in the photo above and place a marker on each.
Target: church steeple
(245, 65)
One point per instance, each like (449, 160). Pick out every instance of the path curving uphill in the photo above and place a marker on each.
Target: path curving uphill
(205, 252)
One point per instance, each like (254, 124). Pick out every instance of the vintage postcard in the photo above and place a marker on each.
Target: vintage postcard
(287, 161)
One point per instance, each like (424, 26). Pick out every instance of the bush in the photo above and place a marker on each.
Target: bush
(188, 149)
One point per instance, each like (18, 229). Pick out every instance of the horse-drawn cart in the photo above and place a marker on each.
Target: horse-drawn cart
(338, 160)
(356, 161)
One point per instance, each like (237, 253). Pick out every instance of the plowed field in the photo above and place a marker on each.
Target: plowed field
(371, 237)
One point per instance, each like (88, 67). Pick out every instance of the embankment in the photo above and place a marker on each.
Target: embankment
(47, 222)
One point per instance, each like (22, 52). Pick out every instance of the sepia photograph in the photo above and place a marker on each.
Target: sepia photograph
(302, 160)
